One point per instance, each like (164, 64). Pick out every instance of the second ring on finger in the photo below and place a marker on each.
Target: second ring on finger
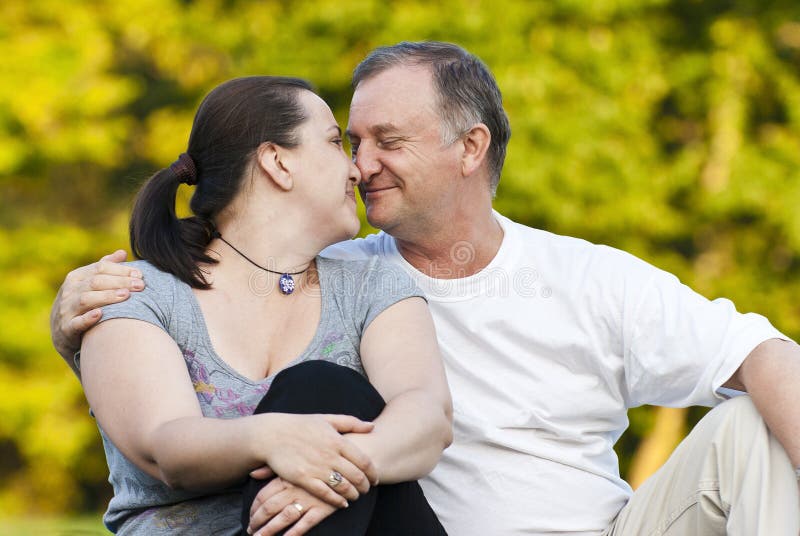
(338, 483)
(334, 479)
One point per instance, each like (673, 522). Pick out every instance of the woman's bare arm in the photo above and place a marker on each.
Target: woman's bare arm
(402, 359)
(138, 386)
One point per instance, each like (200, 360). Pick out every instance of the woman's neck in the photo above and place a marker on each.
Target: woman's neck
(265, 237)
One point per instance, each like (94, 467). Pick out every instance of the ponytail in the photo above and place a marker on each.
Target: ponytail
(177, 246)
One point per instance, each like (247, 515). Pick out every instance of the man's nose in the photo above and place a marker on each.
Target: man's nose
(367, 161)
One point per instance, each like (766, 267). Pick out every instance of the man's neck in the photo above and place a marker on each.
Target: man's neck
(455, 250)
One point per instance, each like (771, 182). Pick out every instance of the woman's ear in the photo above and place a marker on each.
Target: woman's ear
(476, 144)
(271, 160)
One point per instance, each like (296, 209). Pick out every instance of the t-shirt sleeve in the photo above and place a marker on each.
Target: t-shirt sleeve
(681, 347)
(377, 286)
(154, 304)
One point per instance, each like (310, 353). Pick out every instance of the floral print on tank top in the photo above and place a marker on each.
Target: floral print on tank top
(226, 402)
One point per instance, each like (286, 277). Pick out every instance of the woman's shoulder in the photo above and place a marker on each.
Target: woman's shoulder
(159, 286)
(153, 276)
(369, 282)
(374, 268)
(155, 303)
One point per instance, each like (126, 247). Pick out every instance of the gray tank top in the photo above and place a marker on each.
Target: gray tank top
(353, 293)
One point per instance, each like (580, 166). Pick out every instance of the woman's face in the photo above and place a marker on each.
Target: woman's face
(325, 174)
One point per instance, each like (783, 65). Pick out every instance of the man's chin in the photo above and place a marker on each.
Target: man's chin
(377, 219)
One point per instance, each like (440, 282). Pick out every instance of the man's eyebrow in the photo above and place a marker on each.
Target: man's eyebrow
(381, 129)
(337, 128)
(384, 128)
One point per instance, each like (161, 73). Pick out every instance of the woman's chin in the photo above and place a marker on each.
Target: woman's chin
(347, 231)
(352, 231)
(354, 226)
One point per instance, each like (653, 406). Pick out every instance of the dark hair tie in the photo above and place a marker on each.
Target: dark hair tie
(184, 169)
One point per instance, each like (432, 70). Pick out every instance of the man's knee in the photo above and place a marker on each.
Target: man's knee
(740, 408)
(737, 420)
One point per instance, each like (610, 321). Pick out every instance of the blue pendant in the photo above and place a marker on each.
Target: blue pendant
(286, 284)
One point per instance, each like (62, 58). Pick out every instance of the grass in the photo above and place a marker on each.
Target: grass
(76, 526)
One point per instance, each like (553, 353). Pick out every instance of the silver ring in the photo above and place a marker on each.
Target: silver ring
(334, 479)
(298, 506)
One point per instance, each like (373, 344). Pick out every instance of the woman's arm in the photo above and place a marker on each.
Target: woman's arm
(140, 391)
(402, 360)
(401, 357)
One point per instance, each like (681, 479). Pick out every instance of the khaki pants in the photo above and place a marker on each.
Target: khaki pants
(729, 476)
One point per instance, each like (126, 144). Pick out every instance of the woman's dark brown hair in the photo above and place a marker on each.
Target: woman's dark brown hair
(231, 122)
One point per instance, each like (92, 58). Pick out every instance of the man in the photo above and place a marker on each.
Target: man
(547, 340)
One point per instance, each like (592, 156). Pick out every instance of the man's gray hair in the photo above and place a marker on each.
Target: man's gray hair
(467, 91)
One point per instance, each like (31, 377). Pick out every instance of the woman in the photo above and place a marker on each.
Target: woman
(240, 313)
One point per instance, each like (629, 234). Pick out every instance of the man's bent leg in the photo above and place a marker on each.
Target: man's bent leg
(729, 476)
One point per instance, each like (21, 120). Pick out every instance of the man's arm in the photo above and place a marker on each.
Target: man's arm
(771, 375)
(84, 291)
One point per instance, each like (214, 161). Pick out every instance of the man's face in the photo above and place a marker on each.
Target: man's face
(408, 175)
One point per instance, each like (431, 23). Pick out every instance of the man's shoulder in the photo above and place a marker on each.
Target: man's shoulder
(568, 253)
(542, 240)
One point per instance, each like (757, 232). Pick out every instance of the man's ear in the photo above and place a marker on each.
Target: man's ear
(476, 144)
(271, 160)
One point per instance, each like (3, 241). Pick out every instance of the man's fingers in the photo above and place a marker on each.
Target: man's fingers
(107, 265)
(113, 268)
(346, 424)
(81, 323)
(118, 256)
(113, 282)
(92, 299)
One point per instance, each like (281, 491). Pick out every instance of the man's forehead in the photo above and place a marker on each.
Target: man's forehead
(386, 104)
(395, 86)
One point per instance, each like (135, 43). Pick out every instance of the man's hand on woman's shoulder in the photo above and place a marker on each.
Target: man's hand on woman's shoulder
(85, 290)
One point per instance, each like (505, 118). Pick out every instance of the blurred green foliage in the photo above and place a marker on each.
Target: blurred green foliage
(52, 526)
(669, 128)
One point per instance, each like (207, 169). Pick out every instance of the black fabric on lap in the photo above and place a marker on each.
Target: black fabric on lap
(324, 387)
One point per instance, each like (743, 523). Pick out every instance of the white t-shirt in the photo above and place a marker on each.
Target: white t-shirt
(545, 350)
